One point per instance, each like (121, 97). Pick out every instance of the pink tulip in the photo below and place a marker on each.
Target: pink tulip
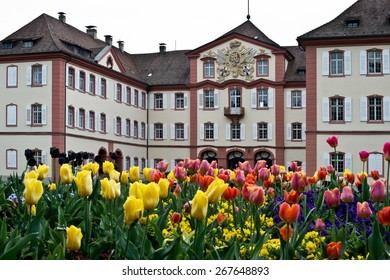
(257, 195)
(260, 164)
(386, 151)
(378, 191)
(330, 169)
(332, 198)
(180, 173)
(347, 195)
(204, 166)
(275, 169)
(162, 166)
(332, 141)
(293, 166)
(363, 210)
(245, 166)
(364, 155)
(239, 180)
(264, 174)
(320, 225)
(298, 181)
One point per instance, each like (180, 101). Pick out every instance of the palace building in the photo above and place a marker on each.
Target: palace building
(241, 97)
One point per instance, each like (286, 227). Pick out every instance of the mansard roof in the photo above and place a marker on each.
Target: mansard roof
(371, 18)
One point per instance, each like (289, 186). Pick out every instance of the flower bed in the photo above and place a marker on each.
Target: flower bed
(195, 211)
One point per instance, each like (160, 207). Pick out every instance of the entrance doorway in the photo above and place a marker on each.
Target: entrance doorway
(234, 158)
(264, 155)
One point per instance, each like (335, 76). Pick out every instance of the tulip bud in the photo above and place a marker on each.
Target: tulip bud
(83, 182)
(187, 208)
(378, 191)
(175, 218)
(66, 174)
(386, 151)
(363, 210)
(332, 141)
(320, 225)
(347, 195)
(199, 206)
(364, 155)
(73, 240)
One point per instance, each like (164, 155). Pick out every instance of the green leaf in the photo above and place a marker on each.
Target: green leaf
(365, 190)
(12, 252)
(3, 231)
(376, 246)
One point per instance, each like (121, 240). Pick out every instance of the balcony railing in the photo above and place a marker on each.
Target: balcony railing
(234, 112)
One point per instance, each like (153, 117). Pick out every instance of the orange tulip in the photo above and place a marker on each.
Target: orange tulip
(289, 213)
(286, 230)
(375, 174)
(292, 197)
(333, 250)
(384, 216)
(230, 193)
(205, 181)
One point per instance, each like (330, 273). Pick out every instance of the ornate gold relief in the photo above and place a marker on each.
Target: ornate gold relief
(235, 61)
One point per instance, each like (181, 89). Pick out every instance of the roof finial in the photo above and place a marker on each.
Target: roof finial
(248, 15)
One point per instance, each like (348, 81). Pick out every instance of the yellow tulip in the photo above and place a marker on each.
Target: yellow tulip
(43, 171)
(52, 187)
(134, 173)
(135, 190)
(124, 177)
(164, 187)
(66, 173)
(30, 175)
(94, 167)
(33, 191)
(83, 182)
(150, 195)
(107, 167)
(110, 189)
(171, 175)
(215, 190)
(73, 239)
(133, 209)
(199, 205)
(146, 172)
(114, 175)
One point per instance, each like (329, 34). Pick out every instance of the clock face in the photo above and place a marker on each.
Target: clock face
(234, 58)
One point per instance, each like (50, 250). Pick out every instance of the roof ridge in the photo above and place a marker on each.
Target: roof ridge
(49, 30)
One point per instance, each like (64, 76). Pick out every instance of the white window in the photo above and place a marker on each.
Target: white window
(236, 131)
(70, 116)
(209, 69)
(158, 131)
(262, 98)
(12, 156)
(375, 162)
(262, 67)
(179, 131)
(209, 131)
(12, 76)
(118, 92)
(374, 60)
(81, 81)
(179, 101)
(336, 63)
(91, 120)
(12, 114)
(70, 77)
(92, 84)
(36, 114)
(158, 101)
(118, 126)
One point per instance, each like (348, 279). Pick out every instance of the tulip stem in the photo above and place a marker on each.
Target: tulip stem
(87, 225)
(333, 224)
(127, 242)
(145, 235)
(387, 184)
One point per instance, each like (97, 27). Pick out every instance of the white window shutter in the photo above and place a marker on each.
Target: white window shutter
(124, 130)
(288, 99)
(165, 131)
(201, 131)
(77, 124)
(228, 131)
(288, 136)
(172, 164)
(98, 89)
(131, 162)
(372, 162)
(269, 131)
(185, 131)
(172, 131)
(165, 101)
(303, 165)
(304, 131)
(386, 111)
(186, 100)
(132, 101)
(124, 95)
(106, 129)
(348, 109)
(66, 77)
(363, 109)
(44, 115)
(44, 74)
(132, 128)
(386, 61)
(242, 131)
(151, 102)
(88, 86)
(271, 92)
(303, 99)
(87, 120)
(254, 131)
(379, 163)
(347, 63)
(325, 63)
(325, 109)
(325, 159)
(216, 132)
(98, 119)
(216, 99)
(28, 75)
(253, 98)
(107, 91)
(44, 157)
(173, 97)
(200, 99)
(77, 79)
(151, 131)
(363, 62)
(140, 131)
(348, 161)
(28, 115)
(11, 159)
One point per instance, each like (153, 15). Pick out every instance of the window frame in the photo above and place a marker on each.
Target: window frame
(82, 79)
(71, 77)
(71, 111)
(298, 97)
(103, 88)
(81, 119)
(262, 65)
(91, 117)
(16, 159)
(135, 129)
(337, 108)
(337, 62)
(339, 165)
(158, 128)
(375, 51)
(103, 123)
(158, 100)
(235, 130)
(208, 99)
(179, 101)
(16, 115)
(261, 94)
(296, 128)
(92, 84)
(375, 108)
(262, 130)
(209, 134)
(118, 93)
(8, 76)
(37, 80)
(179, 129)
(38, 114)
(209, 68)
(118, 126)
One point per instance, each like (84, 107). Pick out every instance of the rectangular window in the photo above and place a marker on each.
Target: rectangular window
(375, 108)
(143, 163)
(235, 98)
(179, 131)
(158, 101)
(136, 162)
(143, 100)
(91, 120)
(142, 130)
(262, 131)
(81, 119)
(236, 131)
(337, 161)
(12, 115)
(179, 101)
(103, 123)
(103, 88)
(262, 98)
(70, 77)
(70, 117)
(135, 103)
(209, 69)
(128, 125)
(127, 163)
(12, 156)
(296, 131)
(209, 131)
(337, 109)
(118, 92)
(135, 129)
(262, 67)
(92, 84)
(118, 125)
(12, 76)
(82, 81)
(296, 99)
(37, 75)
(128, 95)
(158, 131)
(36, 114)
(209, 99)
(38, 156)
(374, 58)
(336, 63)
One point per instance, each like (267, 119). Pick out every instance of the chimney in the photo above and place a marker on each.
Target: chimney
(163, 47)
(91, 30)
(121, 45)
(62, 17)
(108, 39)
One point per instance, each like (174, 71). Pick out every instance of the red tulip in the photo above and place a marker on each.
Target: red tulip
(289, 213)
(205, 181)
(257, 196)
(364, 155)
(375, 174)
(230, 193)
(175, 217)
(332, 141)
(386, 151)
(384, 216)
(333, 250)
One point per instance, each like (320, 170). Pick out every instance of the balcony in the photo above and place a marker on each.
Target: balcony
(234, 113)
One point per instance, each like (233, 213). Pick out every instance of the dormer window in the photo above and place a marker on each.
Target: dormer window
(28, 44)
(7, 45)
(301, 71)
(352, 23)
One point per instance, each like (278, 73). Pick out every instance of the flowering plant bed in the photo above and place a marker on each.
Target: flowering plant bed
(195, 211)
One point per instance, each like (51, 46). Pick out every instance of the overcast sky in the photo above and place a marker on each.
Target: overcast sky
(181, 24)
